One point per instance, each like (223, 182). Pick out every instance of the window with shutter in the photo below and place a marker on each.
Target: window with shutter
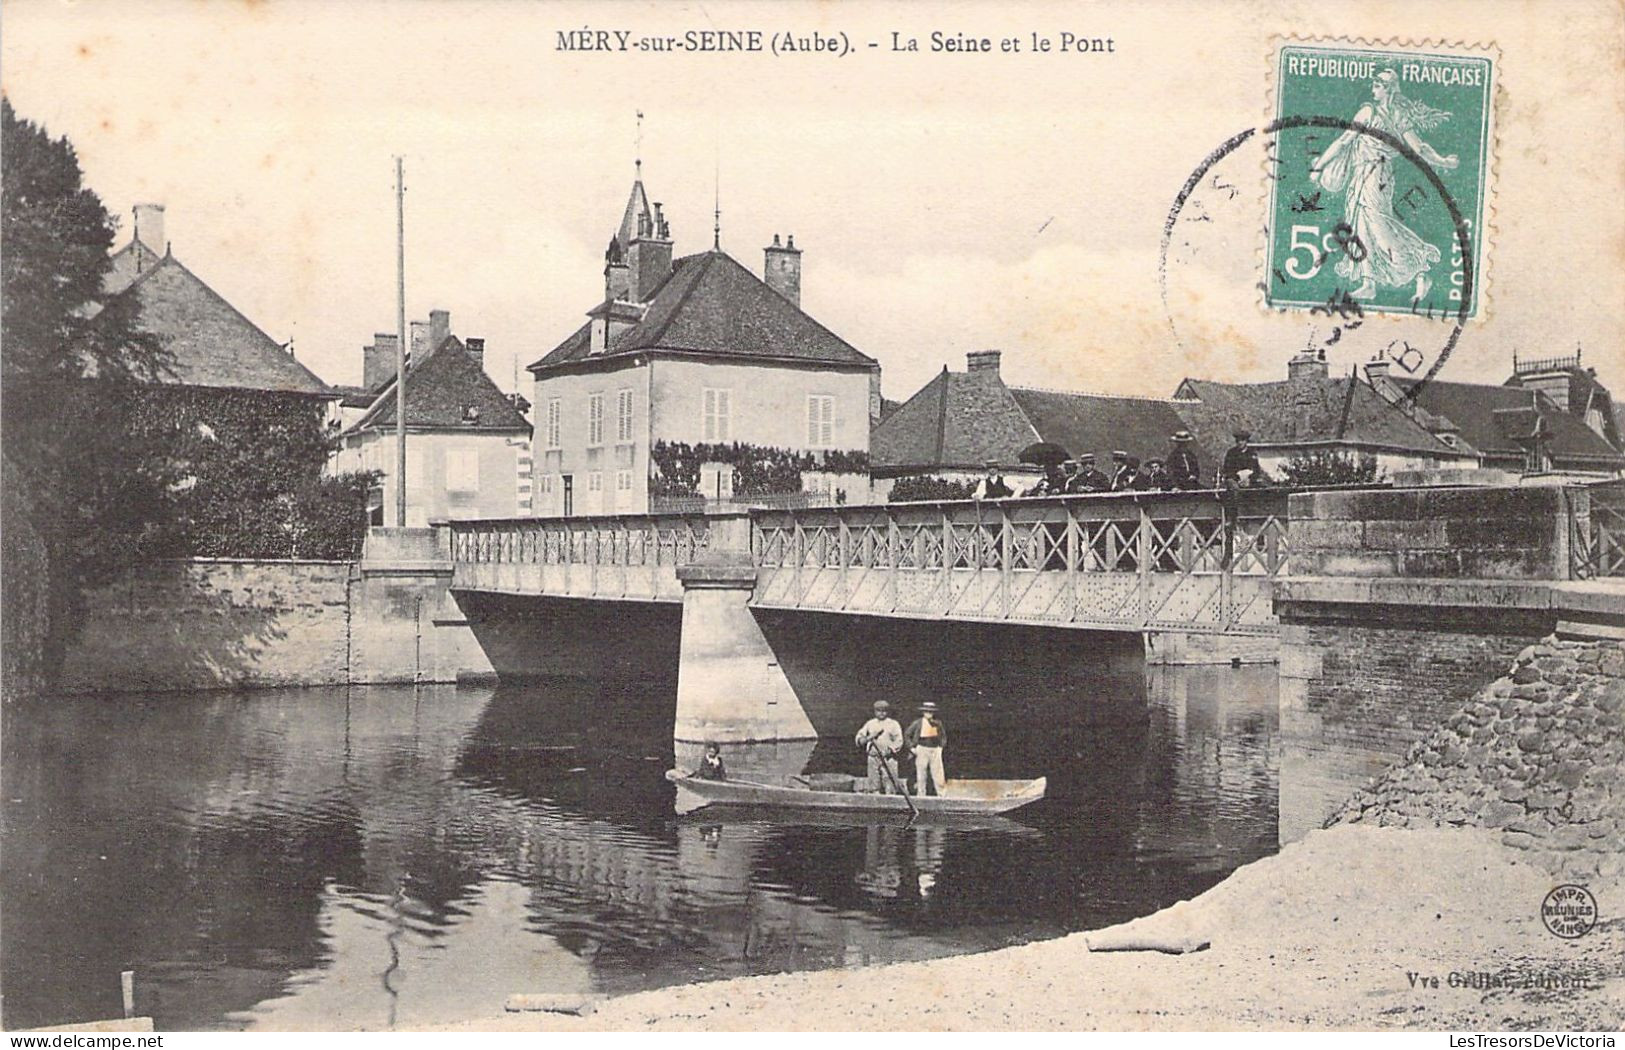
(555, 412)
(820, 421)
(714, 423)
(595, 419)
(623, 425)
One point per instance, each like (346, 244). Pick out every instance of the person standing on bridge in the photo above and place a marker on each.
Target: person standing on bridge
(1241, 468)
(1089, 479)
(1183, 469)
(992, 485)
(880, 738)
(927, 736)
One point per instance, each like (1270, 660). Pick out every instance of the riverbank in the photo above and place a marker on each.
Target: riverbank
(1346, 929)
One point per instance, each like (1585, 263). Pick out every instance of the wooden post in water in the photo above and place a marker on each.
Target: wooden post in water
(126, 982)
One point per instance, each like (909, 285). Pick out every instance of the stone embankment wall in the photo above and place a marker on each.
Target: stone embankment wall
(1538, 755)
(214, 623)
(229, 623)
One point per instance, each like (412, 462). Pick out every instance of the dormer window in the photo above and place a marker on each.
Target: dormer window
(471, 414)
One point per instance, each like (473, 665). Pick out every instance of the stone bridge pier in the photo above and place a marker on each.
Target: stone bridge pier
(731, 685)
(1402, 604)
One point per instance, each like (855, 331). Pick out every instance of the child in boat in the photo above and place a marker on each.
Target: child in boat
(711, 767)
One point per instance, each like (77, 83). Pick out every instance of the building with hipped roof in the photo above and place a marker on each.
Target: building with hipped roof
(960, 421)
(467, 443)
(697, 354)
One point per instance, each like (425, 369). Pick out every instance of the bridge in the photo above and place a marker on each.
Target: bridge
(1191, 562)
(1388, 607)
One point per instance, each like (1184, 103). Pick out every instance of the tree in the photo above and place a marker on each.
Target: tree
(71, 371)
(1331, 467)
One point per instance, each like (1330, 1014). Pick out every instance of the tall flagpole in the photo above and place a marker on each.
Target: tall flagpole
(400, 344)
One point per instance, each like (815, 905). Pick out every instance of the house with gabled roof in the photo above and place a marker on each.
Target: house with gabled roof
(210, 344)
(466, 441)
(1312, 411)
(236, 417)
(960, 421)
(697, 354)
(1548, 417)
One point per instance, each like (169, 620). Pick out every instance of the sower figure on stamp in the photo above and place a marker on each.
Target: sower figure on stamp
(1382, 249)
(927, 736)
(879, 739)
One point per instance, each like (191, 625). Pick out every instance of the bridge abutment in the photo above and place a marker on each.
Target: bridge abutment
(1401, 605)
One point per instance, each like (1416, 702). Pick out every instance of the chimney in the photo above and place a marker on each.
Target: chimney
(1307, 365)
(149, 227)
(476, 350)
(419, 345)
(439, 327)
(648, 257)
(978, 361)
(378, 360)
(781, 269)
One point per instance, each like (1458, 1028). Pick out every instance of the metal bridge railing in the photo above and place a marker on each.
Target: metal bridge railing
(1128, 560)
(1596, 530)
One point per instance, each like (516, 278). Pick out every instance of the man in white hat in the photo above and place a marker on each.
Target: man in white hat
(879, 739)
(1183, 469)
(927, 736)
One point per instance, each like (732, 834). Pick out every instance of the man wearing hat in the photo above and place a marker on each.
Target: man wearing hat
(1156, 476)
(1053, 483)
(927, 737)
(1183, 470)
(992, 485)
(881, 733)
(1122, 473)
(1089, 479)
(1241, 458)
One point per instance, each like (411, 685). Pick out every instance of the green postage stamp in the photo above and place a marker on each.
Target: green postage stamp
(1380, 166)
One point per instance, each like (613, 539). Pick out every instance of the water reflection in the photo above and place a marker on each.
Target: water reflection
(373, 858)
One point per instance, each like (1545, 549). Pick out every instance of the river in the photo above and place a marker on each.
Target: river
(378, 857)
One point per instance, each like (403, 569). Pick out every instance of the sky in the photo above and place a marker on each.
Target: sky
(945, 201)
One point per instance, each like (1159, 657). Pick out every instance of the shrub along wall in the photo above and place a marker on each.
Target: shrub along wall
(249, 464)
(759, 470)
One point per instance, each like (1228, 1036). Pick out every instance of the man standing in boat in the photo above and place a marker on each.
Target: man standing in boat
(927, 737)
(881, 734)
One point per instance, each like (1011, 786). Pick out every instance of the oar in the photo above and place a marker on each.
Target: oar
(893, 778)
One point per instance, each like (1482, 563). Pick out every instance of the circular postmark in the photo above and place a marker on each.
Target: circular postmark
(1569, 911)
(1210, 236)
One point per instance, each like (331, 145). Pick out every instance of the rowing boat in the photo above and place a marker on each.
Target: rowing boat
(958, 797)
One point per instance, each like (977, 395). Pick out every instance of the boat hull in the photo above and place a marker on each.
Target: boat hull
(961, 797)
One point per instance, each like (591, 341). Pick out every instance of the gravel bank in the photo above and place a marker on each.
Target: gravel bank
(1322, 935)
